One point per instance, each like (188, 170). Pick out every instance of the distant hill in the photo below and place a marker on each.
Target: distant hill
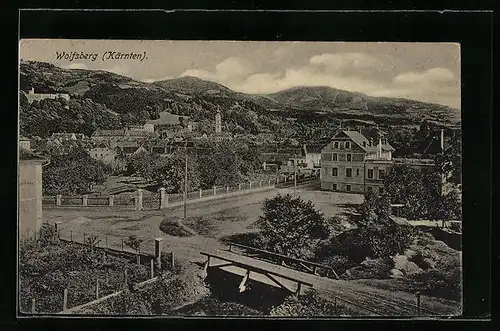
(310, 111)
(194, 85)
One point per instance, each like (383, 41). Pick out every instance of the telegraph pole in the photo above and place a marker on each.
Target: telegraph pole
(295, 174)
(185, 179)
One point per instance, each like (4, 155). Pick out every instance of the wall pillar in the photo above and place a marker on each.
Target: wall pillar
(239, 187)
(250, 185)
(85, 200)
(215, 190)
(162, 198)
(260, 183)
(139, 200)
(158, 250)
(111, 200)
(227, 189)
(201, 192)
(58, 200)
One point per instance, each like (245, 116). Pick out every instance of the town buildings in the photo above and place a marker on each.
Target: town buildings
(32, 96)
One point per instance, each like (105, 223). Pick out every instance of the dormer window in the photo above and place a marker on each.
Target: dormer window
(336, 144)
(347, 144)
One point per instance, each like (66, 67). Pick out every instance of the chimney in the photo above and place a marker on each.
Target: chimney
(379, 147)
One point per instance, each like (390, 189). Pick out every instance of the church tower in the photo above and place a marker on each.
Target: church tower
(218, 122)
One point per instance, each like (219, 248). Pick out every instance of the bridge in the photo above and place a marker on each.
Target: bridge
(292, 275)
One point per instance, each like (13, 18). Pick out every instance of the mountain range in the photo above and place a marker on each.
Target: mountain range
(292, 109)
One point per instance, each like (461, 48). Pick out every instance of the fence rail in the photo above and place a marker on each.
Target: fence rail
(140, 201)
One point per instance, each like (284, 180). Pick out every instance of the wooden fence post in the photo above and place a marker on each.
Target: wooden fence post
(239, 187)
(33, 306)
(172, 259)
(65, 299)
(122, 244)
(71, 235)
(152, 268)
(84, 239)
(215, 190)
(97, 289)
(201, 192)
(418, 303)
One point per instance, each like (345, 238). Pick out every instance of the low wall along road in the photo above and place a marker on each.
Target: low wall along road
(158, 201)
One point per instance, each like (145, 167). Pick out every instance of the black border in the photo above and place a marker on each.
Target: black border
(473, 30)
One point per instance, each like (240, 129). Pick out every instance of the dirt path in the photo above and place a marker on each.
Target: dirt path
(116, 224)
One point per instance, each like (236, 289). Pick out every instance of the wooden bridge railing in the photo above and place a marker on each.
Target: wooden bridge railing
(308, 266)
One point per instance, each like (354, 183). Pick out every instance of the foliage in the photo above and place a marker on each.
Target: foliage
(45, 271)
(42, 118)
(291, 226)
(309, 305)
(444, 281)
(134, 242)
(73, 173)
(419, 190)
(175, 227)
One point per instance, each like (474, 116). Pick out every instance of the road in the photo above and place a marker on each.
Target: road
(360, 298)
(118, 224)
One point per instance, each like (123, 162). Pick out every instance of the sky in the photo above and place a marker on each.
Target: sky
(428, 72)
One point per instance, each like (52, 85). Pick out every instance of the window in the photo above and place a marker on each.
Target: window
(334, 187)
(341, 145)
(335, 172)
(334, 157)
(381, 174)
(348, 172)
(349, 157)
(336, 144)
(326, 156)
(370, 173)
(380, 190)
(357, 172)
(348, 188)
(347, 144)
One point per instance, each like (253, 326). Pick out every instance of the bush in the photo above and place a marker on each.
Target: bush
(174, 227)
(309, 305)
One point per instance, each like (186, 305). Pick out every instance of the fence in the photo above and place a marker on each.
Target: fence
(159, 201)
(110, 246)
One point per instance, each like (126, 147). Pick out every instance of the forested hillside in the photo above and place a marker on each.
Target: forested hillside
(101, 99)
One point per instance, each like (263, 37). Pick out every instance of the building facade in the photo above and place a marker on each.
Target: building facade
(30, 193)
(352, 163)
(32, 96)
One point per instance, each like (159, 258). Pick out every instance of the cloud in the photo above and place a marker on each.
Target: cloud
(75, 65)
(356, 72)
(346, 61)
(231, 69)
(434, 75)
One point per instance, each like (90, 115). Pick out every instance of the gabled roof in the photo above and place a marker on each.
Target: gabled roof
(363, 142)
(109, 133)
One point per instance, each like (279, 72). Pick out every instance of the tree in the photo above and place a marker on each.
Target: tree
(73, 173)
(135, 243)
(291, 226)
(171, 175)
(415, 188)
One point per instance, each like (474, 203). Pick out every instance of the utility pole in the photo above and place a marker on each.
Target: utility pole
(185, 179)
(295, 174)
